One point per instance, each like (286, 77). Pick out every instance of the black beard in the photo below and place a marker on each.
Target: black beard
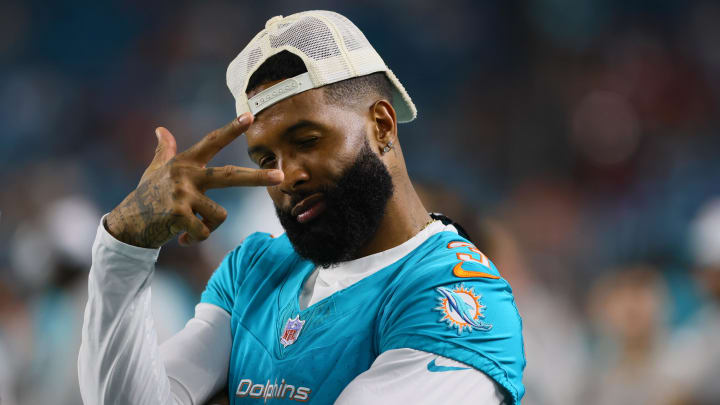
(355, 205)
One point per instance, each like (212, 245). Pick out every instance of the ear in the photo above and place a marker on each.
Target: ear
(385, 120)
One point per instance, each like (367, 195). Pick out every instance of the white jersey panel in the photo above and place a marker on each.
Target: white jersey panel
(415, 377)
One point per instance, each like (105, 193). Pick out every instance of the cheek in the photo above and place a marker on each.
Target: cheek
(343, 155)
(325, 164)
(326, 172)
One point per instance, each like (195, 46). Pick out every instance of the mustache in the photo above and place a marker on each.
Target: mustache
(296, 197)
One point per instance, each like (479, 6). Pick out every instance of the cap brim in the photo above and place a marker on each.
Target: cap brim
(403, 105)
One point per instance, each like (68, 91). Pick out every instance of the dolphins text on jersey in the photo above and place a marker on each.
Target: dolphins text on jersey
(272, 390)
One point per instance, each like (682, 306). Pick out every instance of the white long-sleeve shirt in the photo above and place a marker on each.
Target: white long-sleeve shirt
(121, 362)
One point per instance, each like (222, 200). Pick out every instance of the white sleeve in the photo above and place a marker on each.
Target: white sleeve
(415, 377)
(120, 360)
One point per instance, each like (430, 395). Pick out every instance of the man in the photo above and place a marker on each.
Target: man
(694, 343)
(365, 299)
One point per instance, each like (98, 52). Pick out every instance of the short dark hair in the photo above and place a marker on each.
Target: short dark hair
(285, 64)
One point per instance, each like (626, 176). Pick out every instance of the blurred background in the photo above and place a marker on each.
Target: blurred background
(577, 141)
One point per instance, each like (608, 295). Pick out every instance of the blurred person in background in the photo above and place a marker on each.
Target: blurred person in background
(49, 256)
(555, 334)
(11, 309)
(628, 311)
(694, 348)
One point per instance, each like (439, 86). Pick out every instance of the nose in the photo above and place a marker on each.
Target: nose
(295, 175)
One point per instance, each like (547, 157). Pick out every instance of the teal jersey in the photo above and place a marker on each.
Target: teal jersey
(444, 297)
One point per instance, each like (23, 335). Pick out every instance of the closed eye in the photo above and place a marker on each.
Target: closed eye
(266, 162)
(307, 142)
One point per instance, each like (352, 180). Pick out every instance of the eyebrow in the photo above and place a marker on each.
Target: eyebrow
(302, 124)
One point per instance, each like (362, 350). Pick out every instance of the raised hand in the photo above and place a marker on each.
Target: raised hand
(172, 190)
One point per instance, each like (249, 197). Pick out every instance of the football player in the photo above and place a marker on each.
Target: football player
(366, 298)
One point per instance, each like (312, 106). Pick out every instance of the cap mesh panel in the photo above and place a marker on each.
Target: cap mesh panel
(309, 35)
(253, 58)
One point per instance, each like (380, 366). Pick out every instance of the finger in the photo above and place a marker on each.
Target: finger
(212, 213)
(213, 142)
(184, 239)
(234, 176)
(165, 150)
(194, 228)
(167, 147)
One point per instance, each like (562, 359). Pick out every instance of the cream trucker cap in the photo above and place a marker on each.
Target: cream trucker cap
(331, 46)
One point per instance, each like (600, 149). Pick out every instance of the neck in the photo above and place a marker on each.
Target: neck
(404, 217)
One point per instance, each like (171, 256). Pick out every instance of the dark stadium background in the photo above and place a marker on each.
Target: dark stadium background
(577, 141)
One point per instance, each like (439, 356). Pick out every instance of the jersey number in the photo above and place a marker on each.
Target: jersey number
(458, 271)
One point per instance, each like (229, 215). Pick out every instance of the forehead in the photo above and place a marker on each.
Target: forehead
(309, 106)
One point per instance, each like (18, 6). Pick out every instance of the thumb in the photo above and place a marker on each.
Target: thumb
(166, 147)
(165, 150)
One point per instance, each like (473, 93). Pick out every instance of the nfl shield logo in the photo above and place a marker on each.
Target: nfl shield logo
(292, 331)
